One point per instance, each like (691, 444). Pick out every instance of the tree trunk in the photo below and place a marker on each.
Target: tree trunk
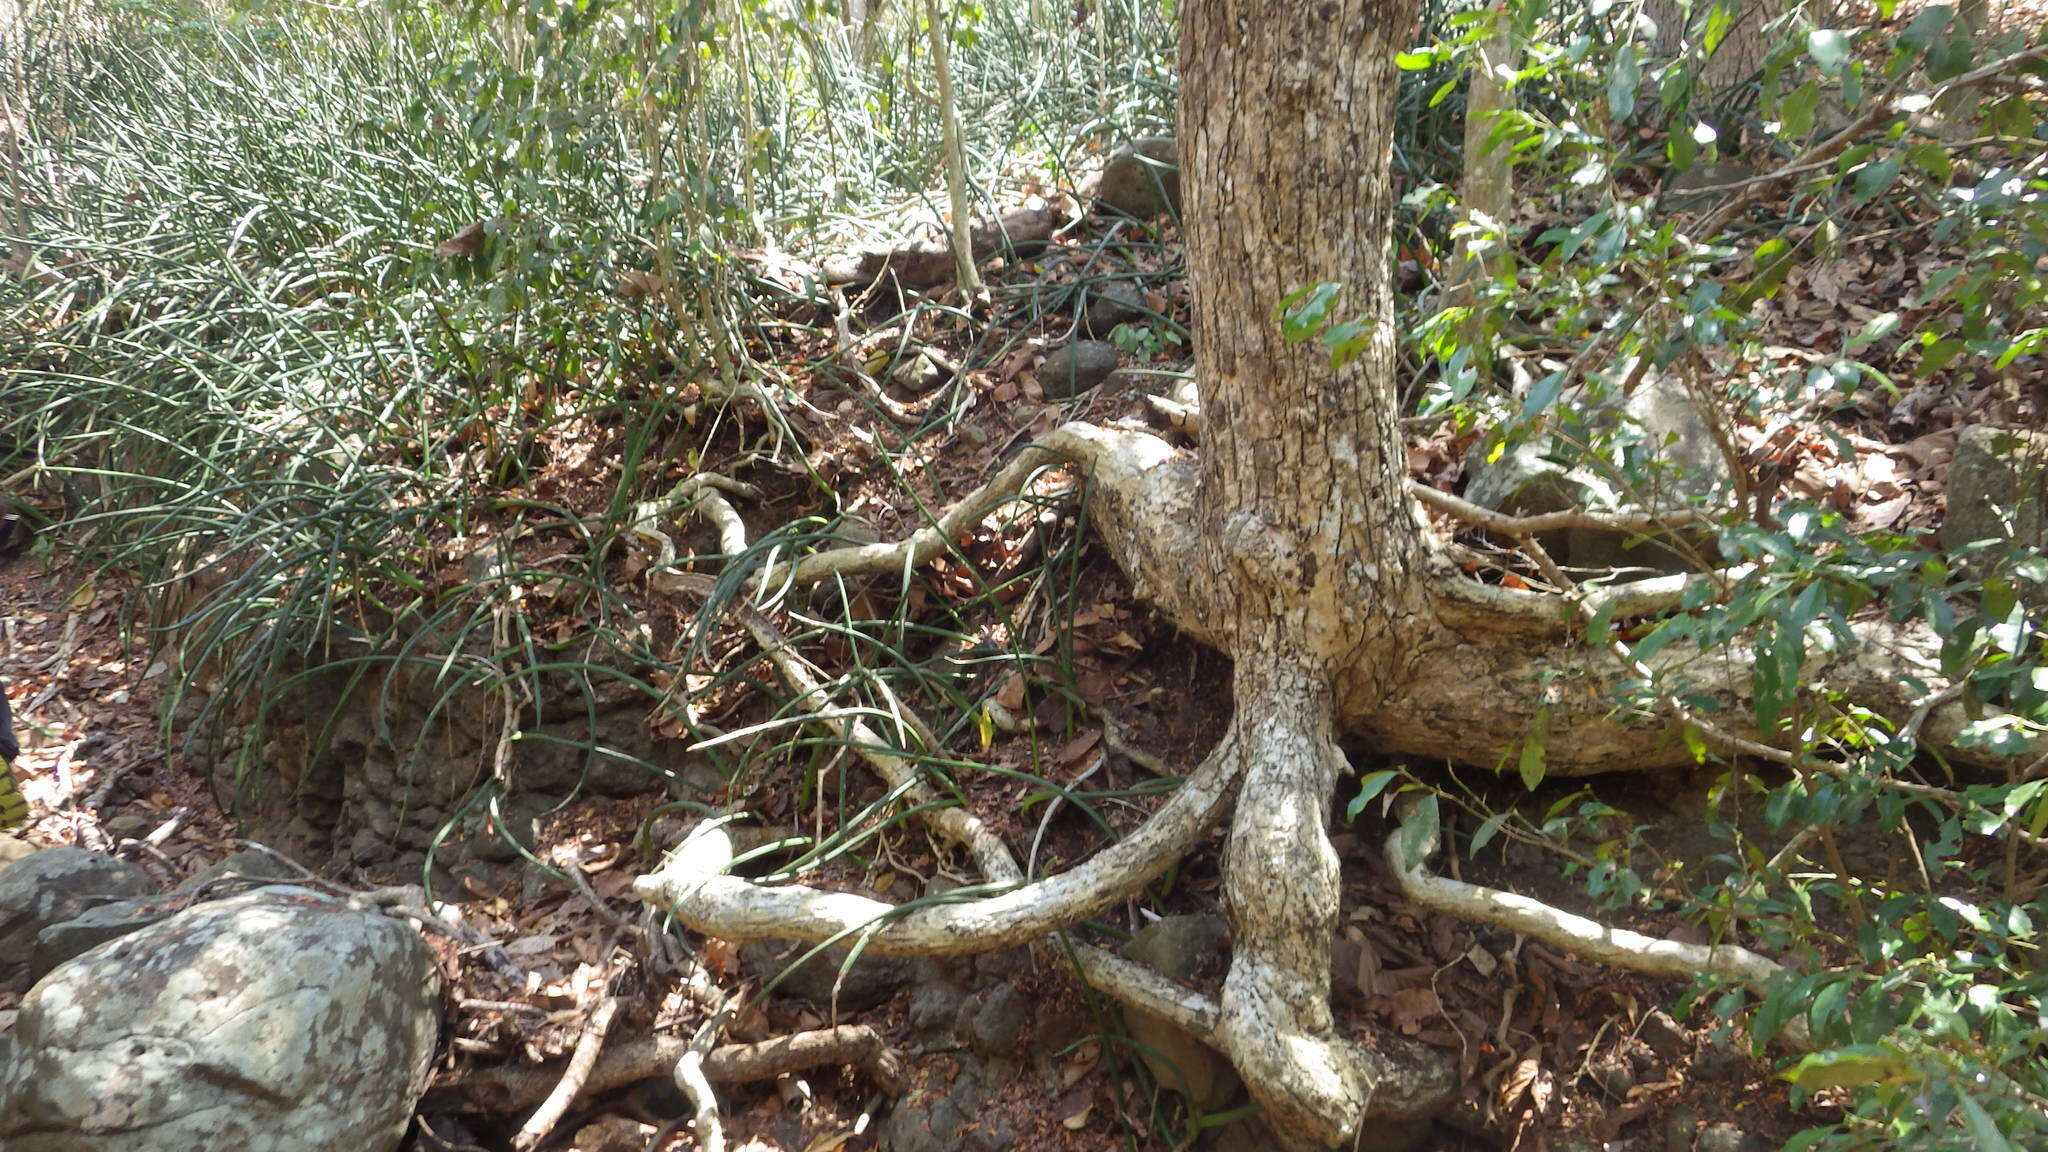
(1308, 570)
(1486, 191)
(1741, 51)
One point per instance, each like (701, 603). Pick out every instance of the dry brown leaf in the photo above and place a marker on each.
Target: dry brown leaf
(1411, 1006)
(467, 242)
(636, 283)
(1080, 1064)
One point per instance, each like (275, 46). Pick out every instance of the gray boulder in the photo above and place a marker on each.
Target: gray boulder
(1998, 491)
(1995, 484)
(1685, 467)
(835, 976)
(1140, 179)
(96, 926)
(55, 885)
(273, 1022)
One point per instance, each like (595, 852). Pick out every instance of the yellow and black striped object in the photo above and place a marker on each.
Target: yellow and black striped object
(13, 809)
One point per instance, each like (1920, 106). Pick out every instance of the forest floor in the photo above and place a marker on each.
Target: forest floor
(1554, 1049)
(1551, 1046)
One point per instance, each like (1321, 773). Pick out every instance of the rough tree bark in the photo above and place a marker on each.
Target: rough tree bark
(1307, 561)
(1740, 53)
(1486, 191)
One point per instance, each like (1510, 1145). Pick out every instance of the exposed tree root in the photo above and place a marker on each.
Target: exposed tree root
(1409, 849)
(925, 263)
(1281, 885)
(693, 884)
(1524, 526)
(1475, 688)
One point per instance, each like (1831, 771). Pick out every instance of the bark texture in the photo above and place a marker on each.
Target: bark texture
(1309, 562)
(1740, 53)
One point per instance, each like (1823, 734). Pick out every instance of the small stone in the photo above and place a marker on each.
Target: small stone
(992, 1132)
(614, 1134)
(1665, 1036)
(918, 1126)
(1076, 368)
(248, 865)
(94, 927)
(917, 370)
(1181, 948)
(1140, 179)
(935, 1004)
(999, 1022)
(56, 885)
(830, 978)
(1725, 1137)
(1679, 1128)
(1114, 303)
(1615, 1077)
(129, 826)
(1718, 1060)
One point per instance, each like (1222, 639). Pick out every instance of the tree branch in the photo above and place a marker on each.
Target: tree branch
(1881, 112)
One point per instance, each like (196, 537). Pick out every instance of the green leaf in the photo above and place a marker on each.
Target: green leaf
(1853, 1067)
(1950, 57)
(1414, 61)
(1937, 355)
(1874, 329)
(2028, 343)
(1416, 829)
(1773, 262)
(1304, 312)
(1795, 112)
(1487, 832)
(1719, 20)
(1982, 1129)
(1530, 764)
(1830, 1005)
(1829, 49)
(1695, 742)
(1875, 177)
(1621, 84)
(1369, 785)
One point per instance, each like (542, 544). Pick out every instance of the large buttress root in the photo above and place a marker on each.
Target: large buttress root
(1281, 893)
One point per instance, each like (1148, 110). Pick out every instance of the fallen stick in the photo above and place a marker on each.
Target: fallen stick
(574, 1077)
(510, 1089)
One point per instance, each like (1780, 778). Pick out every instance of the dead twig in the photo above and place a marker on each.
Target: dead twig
(574, 1077)
(510, 1089)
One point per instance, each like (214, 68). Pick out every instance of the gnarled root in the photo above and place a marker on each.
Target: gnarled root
(693, 884)
(1506, 666)
(1408, 851)
(1281, 892)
